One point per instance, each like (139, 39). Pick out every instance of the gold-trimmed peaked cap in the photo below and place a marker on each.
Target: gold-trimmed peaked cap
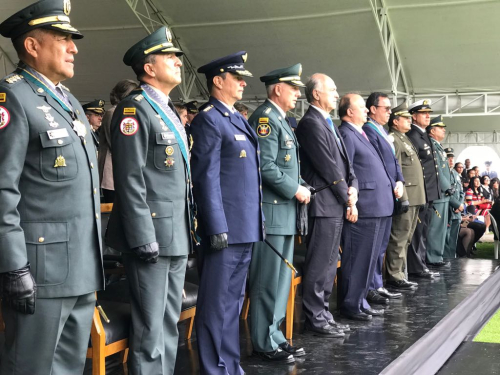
(46, 14)
(423, 105)
(96, 106)
(157, 42)
(290, 75)
(437, 121)
(400, 110)
(234, 63)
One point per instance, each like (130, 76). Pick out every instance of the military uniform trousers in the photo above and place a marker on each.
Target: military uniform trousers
(378, 281)
(52, 341)
(436, 235)
(361, 242)
(223, 275)
(320, 268)
(402, 230)
(270, 281)
(156, 300)
(417, 249)
(450, 250)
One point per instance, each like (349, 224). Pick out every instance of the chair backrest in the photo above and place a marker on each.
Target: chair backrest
(106, 209)
(495, 226)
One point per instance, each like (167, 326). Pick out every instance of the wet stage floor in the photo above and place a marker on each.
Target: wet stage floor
(370, 346)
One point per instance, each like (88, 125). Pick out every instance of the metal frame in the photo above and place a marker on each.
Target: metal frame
(151, 16)
(6, 63)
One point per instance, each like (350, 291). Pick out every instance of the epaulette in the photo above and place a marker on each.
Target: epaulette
(138, 98)
(208, 108)
(65, 88)
(13, 78)
(267, 111)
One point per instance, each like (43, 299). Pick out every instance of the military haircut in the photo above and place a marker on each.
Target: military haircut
(138, 67)
(210, 82)
(180, 107)
(270, 89)
(374, 99)
(18, 43)
(121, 90)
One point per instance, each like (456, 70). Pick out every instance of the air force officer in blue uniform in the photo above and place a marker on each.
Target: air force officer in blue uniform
(226, 186)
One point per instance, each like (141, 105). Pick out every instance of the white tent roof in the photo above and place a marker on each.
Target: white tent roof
(443, 46)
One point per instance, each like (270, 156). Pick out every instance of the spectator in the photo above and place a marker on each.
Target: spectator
(485, 187)
(488, 171)
(182, 111)
(495, 186)
(242, 109)
(474, 197)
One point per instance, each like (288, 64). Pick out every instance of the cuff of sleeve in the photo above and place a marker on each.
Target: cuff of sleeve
(139, 231)
(215, 223)
(12, 252)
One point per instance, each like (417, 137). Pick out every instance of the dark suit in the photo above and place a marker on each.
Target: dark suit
(323, 161)
(427, 155)
(226, 187)
(387, 152)
(49, 217)
(361, 241)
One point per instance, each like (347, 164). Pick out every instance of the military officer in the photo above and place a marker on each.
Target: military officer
(269, 276)
(50, 257)
(405, 218)
(150, 222)
(227, 190)
(94, 111)
(420, 111)
(455, 216)
(439, 222)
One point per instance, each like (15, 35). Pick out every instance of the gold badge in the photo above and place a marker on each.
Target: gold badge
(168, 35)
(60, 162)
(67, 7)
(191, 142)
(169, 162)
(263, 130)
(129, 111)
(244, 57)
(3, 97)
(169, 151)
(243, 154)
(287, 158)
(101, 103)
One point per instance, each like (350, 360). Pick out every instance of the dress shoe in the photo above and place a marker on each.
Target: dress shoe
(385, 293)
(400, 284)
(425, 274)
(442, 264)
(356, 316)
(339, 326)
(412, 282)
(373, 312)
(326, 331)
(293, 350)
(374, 297)
(276, 356)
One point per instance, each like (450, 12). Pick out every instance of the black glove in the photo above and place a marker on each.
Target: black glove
(400, 207)
(19, 290)
(218, 241)
(310, 188)
(148, 253)
(405, 206)
(449, 192)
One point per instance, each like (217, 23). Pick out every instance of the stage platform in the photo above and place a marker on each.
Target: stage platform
(370, 347)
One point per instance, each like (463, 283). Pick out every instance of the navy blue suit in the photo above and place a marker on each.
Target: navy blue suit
(388, 156)
(226, 187)
(362, 240)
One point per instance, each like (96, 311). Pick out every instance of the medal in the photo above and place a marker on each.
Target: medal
(287, 158)
(79, 128)
(169, 151)
(60, 162)
(243, 154)
(169, 162)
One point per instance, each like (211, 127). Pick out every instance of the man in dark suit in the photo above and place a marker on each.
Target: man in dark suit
(50, 258)
(417, 250)
(362, 238)
(227, 190)
(151, 218)
(324, 161)
(379, 110)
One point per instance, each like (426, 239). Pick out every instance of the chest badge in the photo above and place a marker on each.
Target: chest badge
(288, 157)
(263, 130)
(60, 162)
(48, 116)
(243, 154)
(169, 162)
(169, 151)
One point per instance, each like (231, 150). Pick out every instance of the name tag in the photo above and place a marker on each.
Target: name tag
(57, 133)
(240, 137)
(168, 135)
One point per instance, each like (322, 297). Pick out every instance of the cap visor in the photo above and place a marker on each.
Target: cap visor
(177, 51)
(245, 73)
(296, 83)
(64, 28)
(425, 110)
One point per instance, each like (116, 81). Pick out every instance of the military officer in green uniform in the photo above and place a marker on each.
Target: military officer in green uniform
(150, 222)
(436, 238)
(50, 253)
(455, 216)
(406, 216)
(269, 275)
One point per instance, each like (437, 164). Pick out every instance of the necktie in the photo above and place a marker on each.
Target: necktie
(330, 122)
(364, 135)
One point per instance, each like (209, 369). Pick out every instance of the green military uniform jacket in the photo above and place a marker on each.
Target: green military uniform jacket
(458, 195)
(444, 175)
(49, 191)
(151, 182)
(279, 162)
(407, 155)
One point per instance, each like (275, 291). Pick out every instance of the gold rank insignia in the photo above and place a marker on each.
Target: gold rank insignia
(263, 130)
(287, 158)
(14, 78)
(267, 111)
(208, 108)
(3, 97)
(129, 111)
(169, 162)
(60, 162)
(138, 98)
(263, 120)
(169, 150)
(243, 154)
(191, 142)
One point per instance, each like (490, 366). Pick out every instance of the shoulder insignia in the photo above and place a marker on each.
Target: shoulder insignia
(263, 130)
(65, 88)
(129, 111)
(13, 78)
(129, 126)
(208, 108)
(4, 117)
(267, 111)
(263, 120)
(3, 97)
(139, 97)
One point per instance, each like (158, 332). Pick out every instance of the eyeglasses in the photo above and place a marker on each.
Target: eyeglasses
(387, 109)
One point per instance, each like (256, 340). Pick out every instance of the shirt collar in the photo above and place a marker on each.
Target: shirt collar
(358, 128)
(283, 114)
(419, 128)
(162, 95)
(227, 106)
(322, 111)
(47, 81)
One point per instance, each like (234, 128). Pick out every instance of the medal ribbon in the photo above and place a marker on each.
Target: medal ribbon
(376, 128)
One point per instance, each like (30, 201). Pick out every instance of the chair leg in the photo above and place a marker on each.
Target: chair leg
(290, 309)
(98, 345)
(189, 327)
(246, 307)
(124, 355)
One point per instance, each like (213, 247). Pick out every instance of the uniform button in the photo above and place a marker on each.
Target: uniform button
(97, 216)
(153, 214)
(92, 165)
(41, 239)
(84, 142)
(275, 202)
(95, 191)
(260, 187)
(258, 152)
(60, 142)
(259, 169)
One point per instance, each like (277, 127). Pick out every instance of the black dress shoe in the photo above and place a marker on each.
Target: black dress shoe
(356, 316)
(374, 312)
(385, 293)
(342, 327)
(276, 356)
(439, 264)
(374, 297)
(293, 350)
(426, 274)
(400, 284)
(326, 331)
(412, 282)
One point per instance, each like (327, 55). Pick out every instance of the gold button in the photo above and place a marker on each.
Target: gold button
(84, 142)
(95, 191)
(259, 169)
(260, 187)
(258, 152)
(60, 142)
(275, 202)
(153, 214)
(92, 165)
(41, 239)
(97, 216)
